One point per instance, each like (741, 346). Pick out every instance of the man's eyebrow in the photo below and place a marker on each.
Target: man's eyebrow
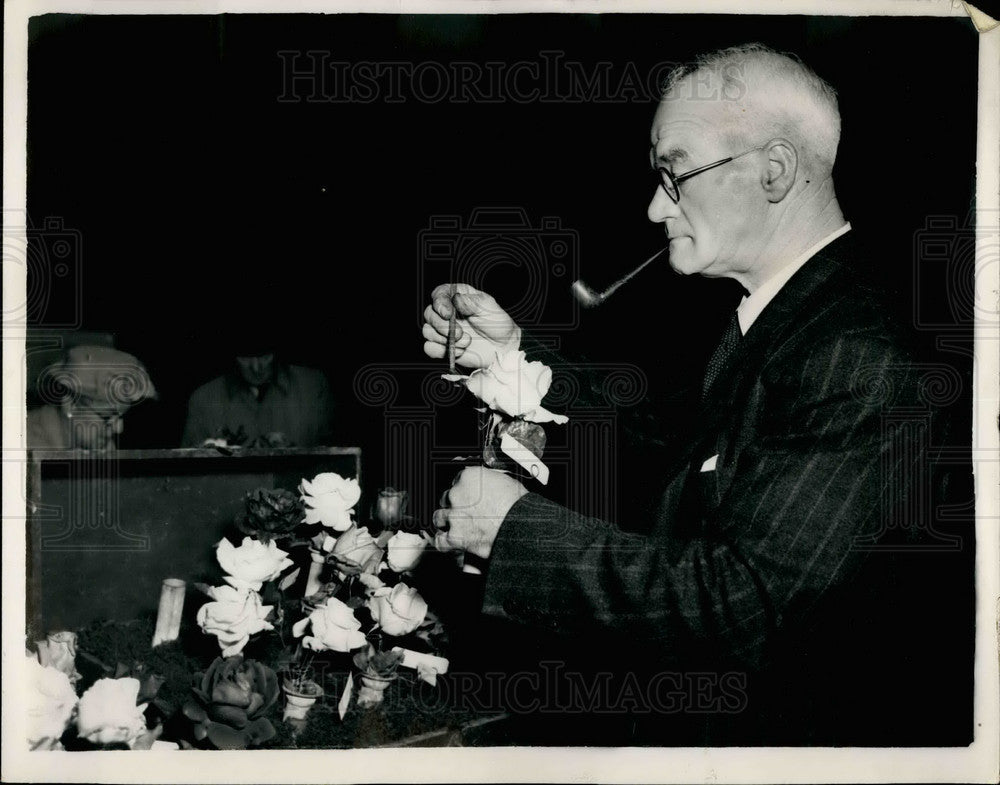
(670, 156)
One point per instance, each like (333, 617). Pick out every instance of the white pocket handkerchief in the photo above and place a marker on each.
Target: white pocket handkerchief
(709, 465)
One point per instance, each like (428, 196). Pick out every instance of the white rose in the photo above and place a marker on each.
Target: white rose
(398, 611)
(252, 564)
(514, 386)
(334, 628)
(235, 615)
(51, 700)
(108, 712)
(328, 498)
(356, 551)
(371, 583)
(404, 551)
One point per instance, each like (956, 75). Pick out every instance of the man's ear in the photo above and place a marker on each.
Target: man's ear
(782, 165)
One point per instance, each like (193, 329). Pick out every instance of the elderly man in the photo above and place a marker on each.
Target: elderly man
(754, 551)
(96, 386)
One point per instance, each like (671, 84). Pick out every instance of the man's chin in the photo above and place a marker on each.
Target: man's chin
(682, 258)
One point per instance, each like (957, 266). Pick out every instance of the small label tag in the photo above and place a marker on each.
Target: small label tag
(709, 465)
(413, 659)
(345, 699)
(525, 458)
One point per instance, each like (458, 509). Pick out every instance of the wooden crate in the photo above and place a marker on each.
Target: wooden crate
(104, 530)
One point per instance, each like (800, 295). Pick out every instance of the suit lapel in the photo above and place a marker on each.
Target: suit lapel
(787, 311)
(732, 400)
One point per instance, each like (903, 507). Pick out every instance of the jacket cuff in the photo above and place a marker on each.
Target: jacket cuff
(526, 579)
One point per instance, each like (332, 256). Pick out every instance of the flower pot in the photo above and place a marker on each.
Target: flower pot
(390, 507)
(373, 689)
(299, 698)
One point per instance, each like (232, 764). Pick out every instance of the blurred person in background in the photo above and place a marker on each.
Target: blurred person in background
(89, 391)
(261, 401)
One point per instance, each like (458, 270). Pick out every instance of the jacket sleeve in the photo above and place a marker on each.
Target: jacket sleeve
(767, 547)
(196, 426)
(593, 386)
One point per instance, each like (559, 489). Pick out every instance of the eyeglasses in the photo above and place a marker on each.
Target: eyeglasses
(86, 408)
(671, 182)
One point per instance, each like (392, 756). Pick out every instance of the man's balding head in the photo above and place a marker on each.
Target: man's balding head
(749, 137)
(764, 94)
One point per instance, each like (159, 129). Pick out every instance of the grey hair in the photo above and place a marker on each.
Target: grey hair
(767, 94)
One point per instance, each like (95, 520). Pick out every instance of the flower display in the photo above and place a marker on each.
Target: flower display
(404, 551)
(334, 628)
(230, 703)
(149, 680)
(378, 663)
(301, 693)
(356, 551)
(270, 515)
(252, 564)
(233, 617)
(399, 610)
(51, 700)
(324, 572)
(513, 386)
(58, 650)
(390, 507)
(377, 669)
(371, 583)
(108, 712)
(328, 500)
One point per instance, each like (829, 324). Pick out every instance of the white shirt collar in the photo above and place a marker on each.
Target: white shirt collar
(753, 305)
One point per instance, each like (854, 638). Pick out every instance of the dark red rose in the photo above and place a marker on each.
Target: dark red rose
(230, 704)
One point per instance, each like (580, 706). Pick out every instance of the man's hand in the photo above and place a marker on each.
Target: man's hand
(473, 509)
(482, 327)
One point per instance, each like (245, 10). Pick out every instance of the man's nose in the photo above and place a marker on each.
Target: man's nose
(661, 207)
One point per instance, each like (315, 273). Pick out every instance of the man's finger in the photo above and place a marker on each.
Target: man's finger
(441, 298)
(475, 303)
(443, 543)
(433, 318)
(468, 300)
(432, 335)
(435, 351)
(441, 301)
(466, 487)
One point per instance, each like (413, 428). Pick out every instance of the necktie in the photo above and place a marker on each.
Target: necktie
(722, 355)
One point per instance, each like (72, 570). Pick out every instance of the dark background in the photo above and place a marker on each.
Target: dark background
(199, 203)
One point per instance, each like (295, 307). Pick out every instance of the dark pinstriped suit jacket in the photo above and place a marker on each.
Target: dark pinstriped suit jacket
(742, 558)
